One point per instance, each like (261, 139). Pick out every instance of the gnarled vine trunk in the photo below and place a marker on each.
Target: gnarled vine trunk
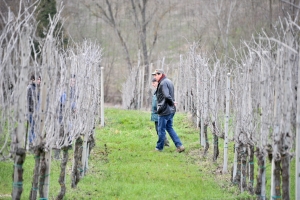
(244, 155)
(77, 166)
(277, 181)
(36, 171)
(62, 176)
(43, 169)
(216, 143)
(18, 173)
(237, 177)
(251, 169)
(285, 161)
(206, 139)
(261, 169)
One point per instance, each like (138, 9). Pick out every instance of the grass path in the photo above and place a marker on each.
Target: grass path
(123, 165)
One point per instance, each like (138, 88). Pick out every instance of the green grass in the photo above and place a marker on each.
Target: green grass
(124, 165)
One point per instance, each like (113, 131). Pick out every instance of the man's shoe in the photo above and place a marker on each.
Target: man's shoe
(180, 149)
(156, 149)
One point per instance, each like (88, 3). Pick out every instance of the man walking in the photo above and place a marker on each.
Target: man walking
(33, 97)
(166, 108)
(154, 116)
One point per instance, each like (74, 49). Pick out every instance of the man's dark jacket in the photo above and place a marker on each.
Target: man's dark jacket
(32, 97)
(165, 97)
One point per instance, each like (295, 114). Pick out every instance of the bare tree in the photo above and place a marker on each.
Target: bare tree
(146, 17)
(110, 15)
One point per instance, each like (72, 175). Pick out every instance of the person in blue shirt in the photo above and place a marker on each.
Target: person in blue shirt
(62, 112)
(154, 116)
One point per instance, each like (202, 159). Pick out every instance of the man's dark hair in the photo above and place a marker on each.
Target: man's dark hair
(32, 77)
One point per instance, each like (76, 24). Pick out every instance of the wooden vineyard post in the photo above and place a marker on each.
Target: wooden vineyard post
(84, 157)
(102, 96)
(263, 133)
(297, 177)
(226, 124)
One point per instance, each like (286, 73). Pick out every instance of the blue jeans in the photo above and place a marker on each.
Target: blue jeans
(31, 134)
(165, 123)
